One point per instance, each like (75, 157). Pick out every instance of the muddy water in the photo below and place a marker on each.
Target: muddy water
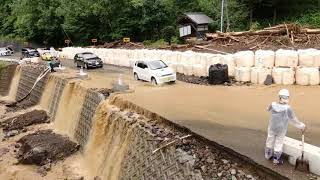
(107, 144)
(69, 109)
(48, 93)
(14, 85)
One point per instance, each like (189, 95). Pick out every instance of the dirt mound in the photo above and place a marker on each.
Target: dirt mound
(21, 105)
(45, 147)
(21, 121)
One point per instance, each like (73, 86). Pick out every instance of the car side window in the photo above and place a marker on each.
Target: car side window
(140, 65)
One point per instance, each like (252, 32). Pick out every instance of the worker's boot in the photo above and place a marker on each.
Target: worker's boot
(277, 158)
(268, 153)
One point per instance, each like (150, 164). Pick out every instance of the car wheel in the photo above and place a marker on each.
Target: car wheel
(136, 77)
(154, 81)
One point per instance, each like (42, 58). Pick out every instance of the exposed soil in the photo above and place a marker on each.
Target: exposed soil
(204, 80)
(43, 147)
(19, 122)
(20, 106)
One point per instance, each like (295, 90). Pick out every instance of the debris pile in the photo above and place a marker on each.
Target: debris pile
(17, 124)
(44, 147)
(288, 36)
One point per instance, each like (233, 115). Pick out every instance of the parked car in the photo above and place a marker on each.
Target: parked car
(87, 60)
(46, 56)
(29, 53)
(6, 51)
(155, 71)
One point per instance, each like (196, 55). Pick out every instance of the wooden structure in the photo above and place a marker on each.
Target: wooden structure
(194, 24)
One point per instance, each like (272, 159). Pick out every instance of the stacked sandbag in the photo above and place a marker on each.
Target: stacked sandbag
(286, 58)
(285, 76)
(260, 74)
(229, 60)
(307, 76)
(264, 58)
(244, 58)
(243, 74)
(309, 58)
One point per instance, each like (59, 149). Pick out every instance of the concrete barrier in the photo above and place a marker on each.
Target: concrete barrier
(293, 148)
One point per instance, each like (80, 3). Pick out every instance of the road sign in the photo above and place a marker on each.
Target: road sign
(126, 40)
(94, 40)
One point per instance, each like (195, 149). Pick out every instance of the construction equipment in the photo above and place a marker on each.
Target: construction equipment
(42, 75)
(301, 163)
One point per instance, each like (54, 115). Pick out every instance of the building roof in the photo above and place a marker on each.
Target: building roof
(199, 18)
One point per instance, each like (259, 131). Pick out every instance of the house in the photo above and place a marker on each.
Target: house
(194, 24)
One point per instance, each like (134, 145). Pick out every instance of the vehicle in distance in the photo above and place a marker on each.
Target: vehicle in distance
(6, 51)
(29, 53)
(87, 60)
(46, 56)
(154, 71)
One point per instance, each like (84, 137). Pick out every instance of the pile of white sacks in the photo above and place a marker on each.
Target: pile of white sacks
(285, 66)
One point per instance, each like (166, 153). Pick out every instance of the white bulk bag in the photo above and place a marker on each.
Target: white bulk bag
(229, 60)
(283, 76)
(264, 58)
(244, 58)
(308, 76)
(309, 58)
(286, 58)
(242, 74)
(199, 70)
(187, 69)
(259, 74)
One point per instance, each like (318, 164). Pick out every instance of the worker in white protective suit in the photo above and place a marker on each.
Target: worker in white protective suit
(281, 115)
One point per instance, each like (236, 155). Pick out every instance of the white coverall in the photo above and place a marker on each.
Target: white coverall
(281, 115)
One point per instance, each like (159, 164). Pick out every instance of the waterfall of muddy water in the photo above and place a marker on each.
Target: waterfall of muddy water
(48, 93)
(14, 85)
(107, 144)
(69, 109)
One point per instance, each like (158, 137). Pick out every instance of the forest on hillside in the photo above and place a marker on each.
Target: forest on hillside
(52, 21)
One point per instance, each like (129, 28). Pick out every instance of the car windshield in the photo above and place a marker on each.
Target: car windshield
(157, 65)
(89, 56)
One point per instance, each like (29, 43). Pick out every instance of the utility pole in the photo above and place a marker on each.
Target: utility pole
(222, 13)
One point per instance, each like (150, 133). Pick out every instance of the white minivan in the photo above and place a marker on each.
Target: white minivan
(154, 71)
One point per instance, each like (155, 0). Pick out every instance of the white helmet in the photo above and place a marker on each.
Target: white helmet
(284, 92)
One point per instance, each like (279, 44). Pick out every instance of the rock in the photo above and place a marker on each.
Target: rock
(24, 130)
(220, 174)
(249, 176)
(17, 145)
(209, 160)
(233, 178)
(225, 161)
(233, 172)
(12, 133)
(4, 151)
(204, 169)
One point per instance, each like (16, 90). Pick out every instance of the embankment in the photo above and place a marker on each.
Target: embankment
(120, 140)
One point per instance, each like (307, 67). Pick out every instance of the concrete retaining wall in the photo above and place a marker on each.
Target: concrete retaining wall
(29, 74)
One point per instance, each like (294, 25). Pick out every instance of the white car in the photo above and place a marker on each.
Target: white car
(154, 71)
(6, 51)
